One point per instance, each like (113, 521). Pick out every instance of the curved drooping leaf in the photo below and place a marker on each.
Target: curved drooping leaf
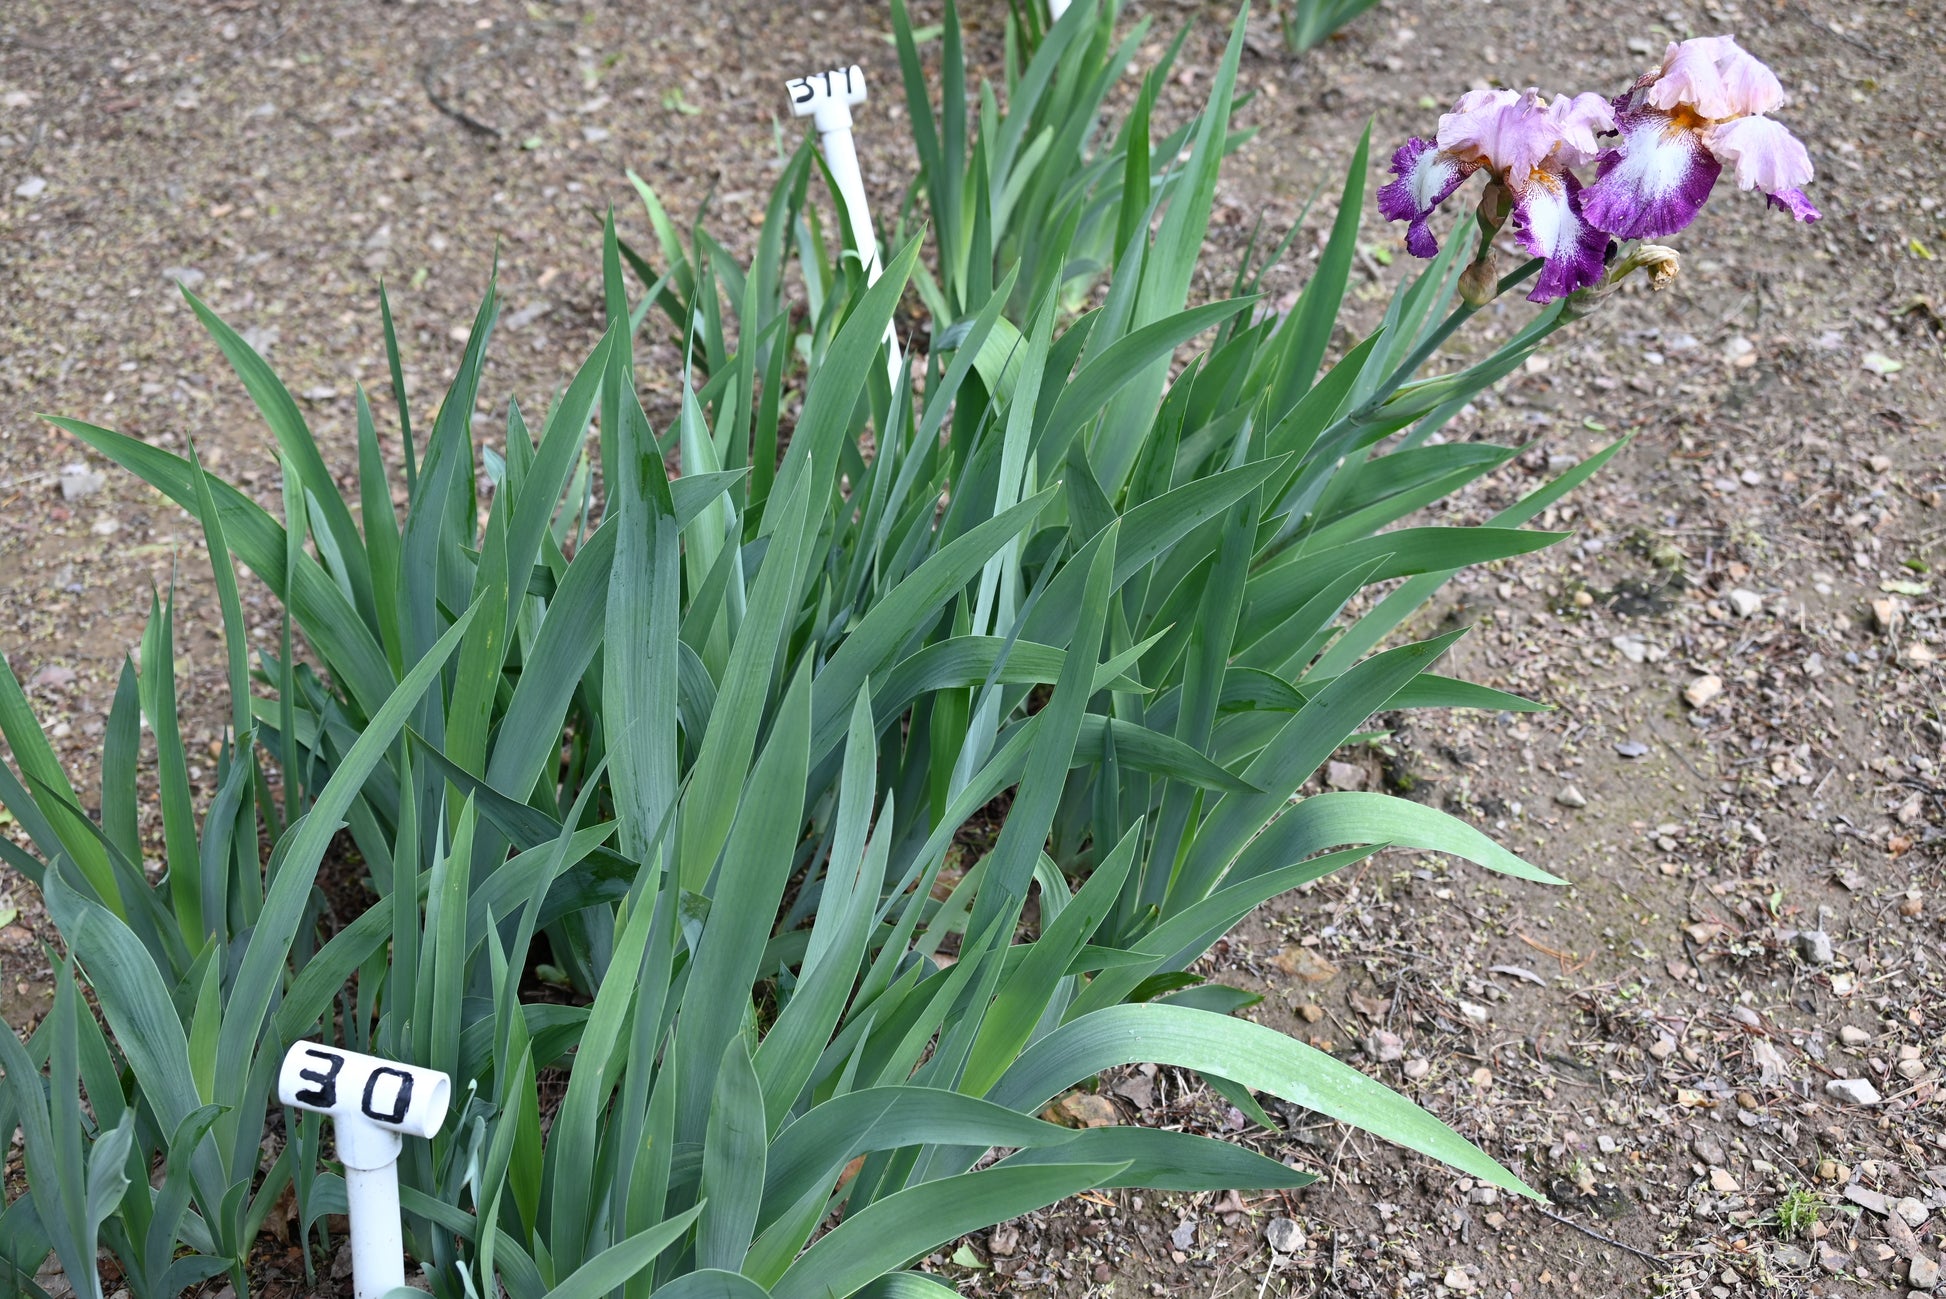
(1161, 1160)
(810, 1152)
(1251, 1055)
(889, 1233)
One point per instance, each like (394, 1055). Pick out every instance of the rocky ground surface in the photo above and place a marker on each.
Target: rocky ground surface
(1718, 1051)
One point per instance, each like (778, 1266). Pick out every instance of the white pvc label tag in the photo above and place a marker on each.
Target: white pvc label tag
(401, 1098)
(819, 93)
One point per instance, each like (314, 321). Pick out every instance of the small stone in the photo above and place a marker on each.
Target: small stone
(1703, 689)
(1386, 1048)
(31, 188)
(1745, 604)
(1814, 945)
(1087, 1110)
(1456, 1278)
(1571, 797)
(1483, 1195)
(594, 134)
(1887, 614)
(1417, 1068)
(1914, 1211)
(1912, 1070)
(1722, 1183)
(1831, 1260)
(1305, 964)
(1922, 1273)
(187, 276)
(1663, 1047)
(1496, 1220)
(1788, 1258)
(1002, 1241)
(1868, 1199)
(1137, 1090)
(78, 481)
(528, 314)
(1853, 1091)
(1284, 1236)
(1474, 1011)
(1853, 1036)
(53, 677)
(1632, 648)
(1632, 748)
(1311, 1012)
(1344, 775)
(1708, 1150)
(1184, 1235)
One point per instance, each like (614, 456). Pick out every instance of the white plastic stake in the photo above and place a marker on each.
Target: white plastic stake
(827, 99)
(372, 1104)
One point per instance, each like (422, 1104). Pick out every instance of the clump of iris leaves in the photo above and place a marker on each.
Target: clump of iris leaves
(699, 747)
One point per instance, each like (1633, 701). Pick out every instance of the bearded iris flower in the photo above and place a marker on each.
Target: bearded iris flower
(1528, 145)
(1671, 135)
(1703, 109)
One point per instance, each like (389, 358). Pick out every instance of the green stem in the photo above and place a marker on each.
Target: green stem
(1394, 381)
(1432, 343)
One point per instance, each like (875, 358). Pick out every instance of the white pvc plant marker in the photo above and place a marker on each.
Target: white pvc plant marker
(372, 1104)
(827, 99)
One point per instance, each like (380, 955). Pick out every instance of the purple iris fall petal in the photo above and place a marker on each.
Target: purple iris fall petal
(1654, 182)
(1794, 202)
(1548, 222)
(1426, 176)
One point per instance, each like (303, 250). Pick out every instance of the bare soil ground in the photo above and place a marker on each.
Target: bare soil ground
(1744, 775)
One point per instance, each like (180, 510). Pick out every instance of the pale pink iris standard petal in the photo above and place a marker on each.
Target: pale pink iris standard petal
(1548, 222)
(1763, 151)
(1654, 182)
(1426, 176)
(1576, 122)
(1750, 86)
(1472, 118)
(1691, 77)
(1508, 132)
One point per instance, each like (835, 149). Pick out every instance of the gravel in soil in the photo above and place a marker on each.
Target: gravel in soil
(1717, 1052)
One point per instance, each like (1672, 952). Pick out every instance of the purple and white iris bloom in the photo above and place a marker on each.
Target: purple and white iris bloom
(1703, 109)
(1528, 145)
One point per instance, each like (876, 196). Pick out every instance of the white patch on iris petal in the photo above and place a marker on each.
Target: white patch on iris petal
(1432, 173)
(1657, 158)
(1551, 223)
(1766, 155)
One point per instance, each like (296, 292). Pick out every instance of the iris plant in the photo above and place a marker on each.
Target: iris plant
(1657, 151)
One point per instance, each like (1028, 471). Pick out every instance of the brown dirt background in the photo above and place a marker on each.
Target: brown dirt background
(1648, 1045)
